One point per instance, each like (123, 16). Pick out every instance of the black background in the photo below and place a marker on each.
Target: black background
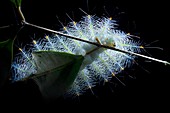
(149, 20)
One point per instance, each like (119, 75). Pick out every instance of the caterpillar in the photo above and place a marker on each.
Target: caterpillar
(99, 64)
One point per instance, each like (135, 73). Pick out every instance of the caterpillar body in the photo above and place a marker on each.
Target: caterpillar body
(99, 64)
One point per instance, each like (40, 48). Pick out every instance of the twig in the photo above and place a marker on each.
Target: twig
(97, 44)
(7, 26)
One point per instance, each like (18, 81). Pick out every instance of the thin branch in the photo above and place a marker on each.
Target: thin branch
(7, 26)
(21, 14)
(97, 44)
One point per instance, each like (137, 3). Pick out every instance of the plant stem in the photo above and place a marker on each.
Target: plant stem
(97, 44)
(21, 14)
(7, 26)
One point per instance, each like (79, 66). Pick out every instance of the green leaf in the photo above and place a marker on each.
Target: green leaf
(16, 3)
(6, 50)
(56, 72)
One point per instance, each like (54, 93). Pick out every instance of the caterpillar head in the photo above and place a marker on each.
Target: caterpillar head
(109, 42)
